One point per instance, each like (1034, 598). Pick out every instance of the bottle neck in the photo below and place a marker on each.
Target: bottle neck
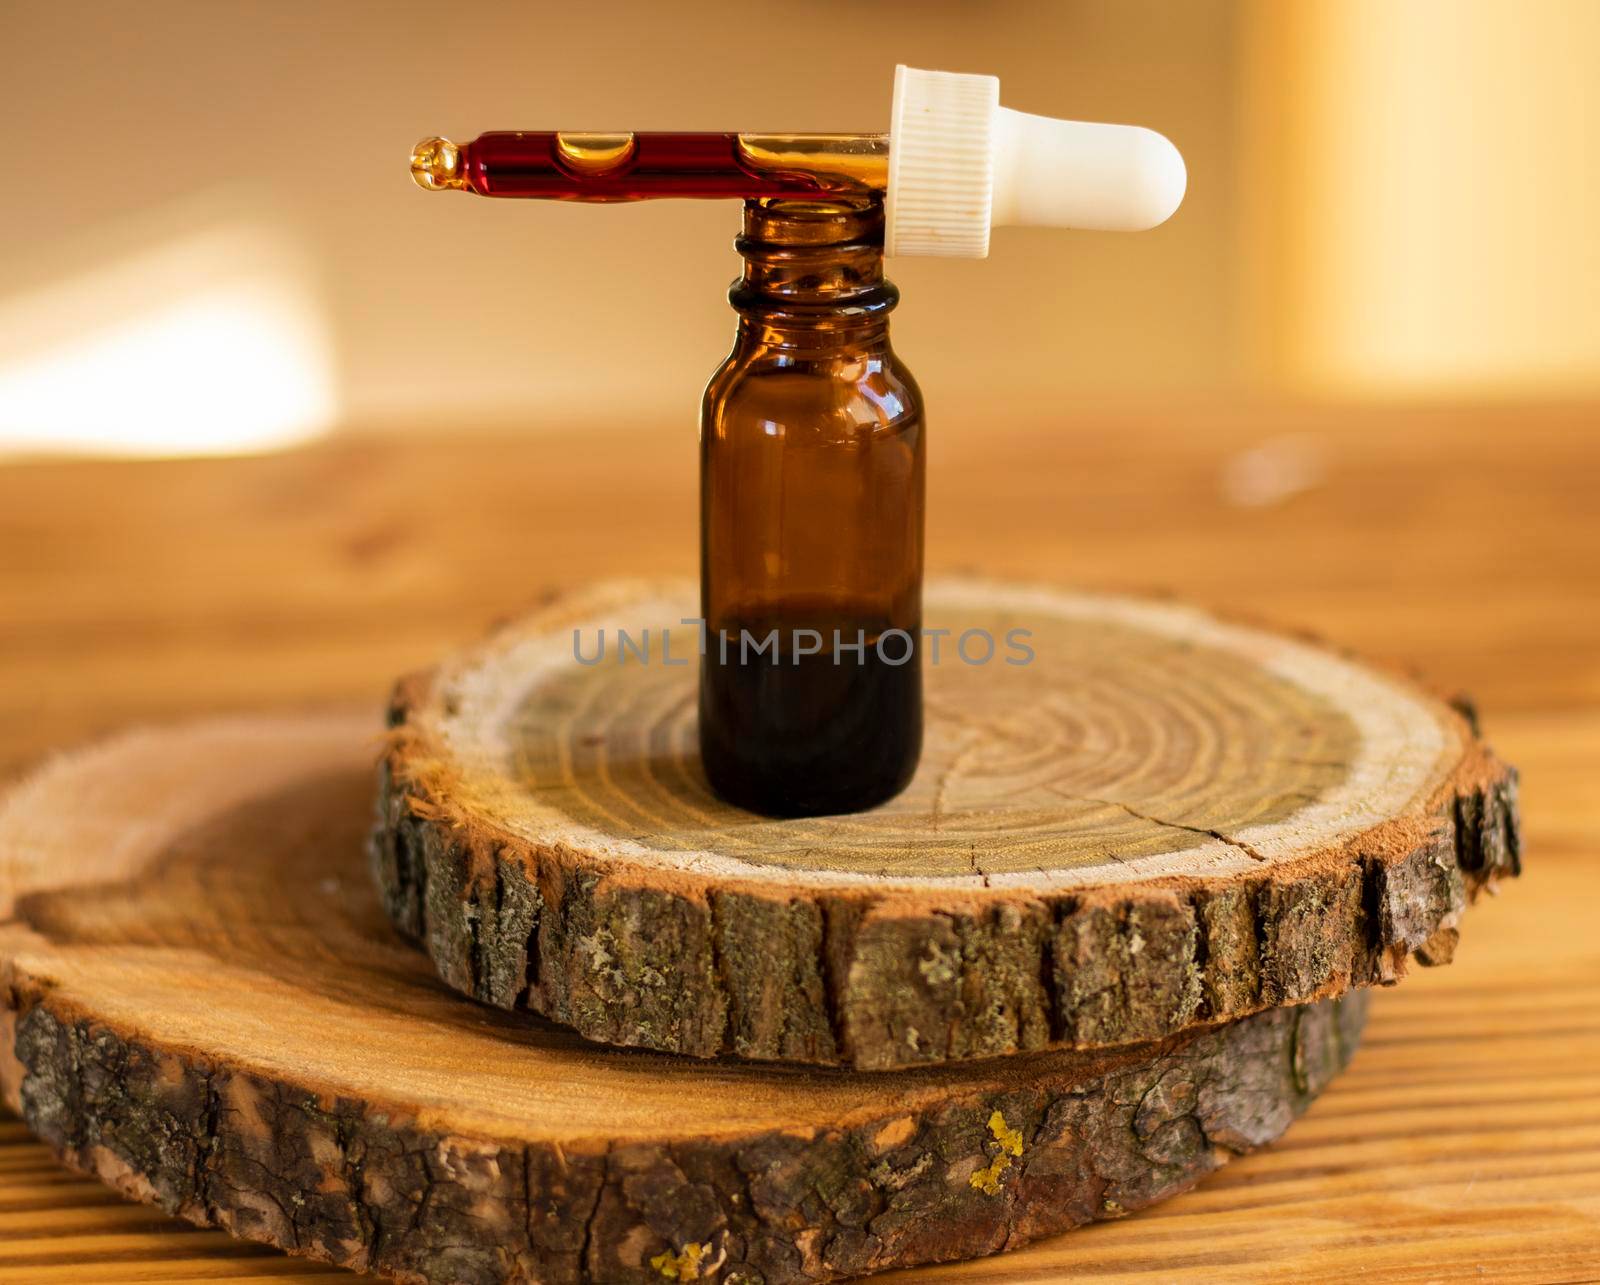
(813, 275)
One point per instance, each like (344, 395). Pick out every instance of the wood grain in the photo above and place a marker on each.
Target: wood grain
(1464, 1142)
(201, 1003)
(1163, 819)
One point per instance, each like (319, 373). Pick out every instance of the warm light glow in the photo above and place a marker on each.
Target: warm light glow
(208, 347)
(1438, 191)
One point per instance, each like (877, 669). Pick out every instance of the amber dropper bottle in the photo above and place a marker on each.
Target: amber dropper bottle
(811, 514)
(811, 451)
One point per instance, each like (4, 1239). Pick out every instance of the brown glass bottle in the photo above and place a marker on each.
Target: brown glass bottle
(811, 473)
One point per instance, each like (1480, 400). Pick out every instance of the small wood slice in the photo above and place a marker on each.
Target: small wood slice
(1162, 820)
(202, 1002)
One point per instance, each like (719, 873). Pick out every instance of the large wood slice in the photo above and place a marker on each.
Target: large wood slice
(202, 1002)
(1163, 820)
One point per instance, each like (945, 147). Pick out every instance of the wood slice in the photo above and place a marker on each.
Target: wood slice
(1164, 819)
(204, 1005)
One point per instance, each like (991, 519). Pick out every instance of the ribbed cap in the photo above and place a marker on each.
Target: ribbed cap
(941, 164)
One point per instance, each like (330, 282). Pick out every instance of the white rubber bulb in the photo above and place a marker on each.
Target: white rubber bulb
(1075, 174)
(960, 164)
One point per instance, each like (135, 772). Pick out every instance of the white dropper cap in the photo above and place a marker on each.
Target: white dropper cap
(959, 164)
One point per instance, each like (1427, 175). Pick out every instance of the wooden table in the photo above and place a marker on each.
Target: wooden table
(1463, 1144)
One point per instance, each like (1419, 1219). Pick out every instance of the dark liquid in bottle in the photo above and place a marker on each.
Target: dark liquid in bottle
(788, 731)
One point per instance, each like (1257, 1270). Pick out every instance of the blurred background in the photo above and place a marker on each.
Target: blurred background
(1389, 199)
